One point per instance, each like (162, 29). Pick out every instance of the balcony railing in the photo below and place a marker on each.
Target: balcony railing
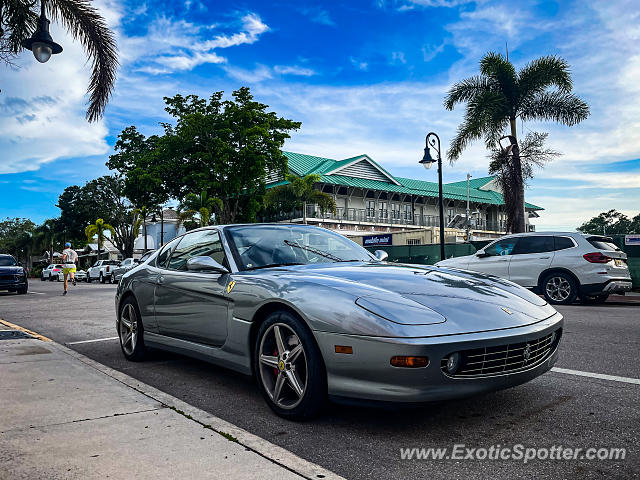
(366, 215)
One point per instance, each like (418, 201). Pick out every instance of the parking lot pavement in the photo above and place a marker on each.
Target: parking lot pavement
(355, 442)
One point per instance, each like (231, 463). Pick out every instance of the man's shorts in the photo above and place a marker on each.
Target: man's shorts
(68, 270)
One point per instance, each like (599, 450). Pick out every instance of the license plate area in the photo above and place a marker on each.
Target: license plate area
(619, 263)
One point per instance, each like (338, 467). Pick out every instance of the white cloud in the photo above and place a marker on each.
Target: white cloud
(317, 15)
(359, 64)
(294, 70)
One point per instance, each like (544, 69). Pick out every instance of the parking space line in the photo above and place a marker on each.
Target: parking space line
(601, 376)
(91, 341)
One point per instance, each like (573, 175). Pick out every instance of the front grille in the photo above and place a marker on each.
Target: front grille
(7, 278)
(510, 358)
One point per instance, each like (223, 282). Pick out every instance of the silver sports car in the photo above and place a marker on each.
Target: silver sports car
(312, 314)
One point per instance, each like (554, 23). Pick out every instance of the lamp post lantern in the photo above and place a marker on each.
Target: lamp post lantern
(433, 141)
(41, 43)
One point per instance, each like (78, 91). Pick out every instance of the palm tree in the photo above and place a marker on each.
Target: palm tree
(499, 96)
(83, 21)
(298, 192)
(202, 205)
(98, 229)
(142, 213)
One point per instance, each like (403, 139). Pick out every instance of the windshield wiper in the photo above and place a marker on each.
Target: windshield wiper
(270, 265)
(322, 253)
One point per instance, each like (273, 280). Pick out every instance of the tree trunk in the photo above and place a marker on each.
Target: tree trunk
(517, 183)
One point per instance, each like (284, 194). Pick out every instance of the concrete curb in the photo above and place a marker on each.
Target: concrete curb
(268, 450)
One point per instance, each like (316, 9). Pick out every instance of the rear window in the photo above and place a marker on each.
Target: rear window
(603, 243)
(563, 242)
(110, 262)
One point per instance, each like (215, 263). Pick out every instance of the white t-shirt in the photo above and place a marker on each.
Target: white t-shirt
(71, 257)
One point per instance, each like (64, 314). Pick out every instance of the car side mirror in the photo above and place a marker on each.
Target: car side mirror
(205, 264)
(481, 253)
(381, 255)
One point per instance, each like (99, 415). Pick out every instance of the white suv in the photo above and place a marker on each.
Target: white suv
(561, 266)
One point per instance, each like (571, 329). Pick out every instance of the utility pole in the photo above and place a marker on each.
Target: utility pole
(468, 220)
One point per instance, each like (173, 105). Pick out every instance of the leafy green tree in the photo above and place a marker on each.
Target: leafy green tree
(16, 238)
(499, 96)
(18, 21)
(298, 193)
(225, 147)
(201, 205)
(98, 230)
(611, 223)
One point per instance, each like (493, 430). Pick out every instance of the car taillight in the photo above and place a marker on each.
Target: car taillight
(107, 269)
(596, 257)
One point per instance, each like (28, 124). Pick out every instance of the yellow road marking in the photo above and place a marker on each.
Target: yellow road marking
(22, 329)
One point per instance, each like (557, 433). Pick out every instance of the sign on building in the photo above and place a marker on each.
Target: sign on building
(375, 240)
(632, 239)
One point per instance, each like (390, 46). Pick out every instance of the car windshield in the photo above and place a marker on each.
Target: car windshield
(7, 262)
(261, 246)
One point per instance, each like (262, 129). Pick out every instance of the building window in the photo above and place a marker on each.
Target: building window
(451, 212)
(395, 211)
(408, 214)
(413, 241)
(371, 208)
(384, 213)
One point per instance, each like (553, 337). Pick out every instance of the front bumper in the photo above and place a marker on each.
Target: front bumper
(14, 284)
(368, 375)
(610, 286)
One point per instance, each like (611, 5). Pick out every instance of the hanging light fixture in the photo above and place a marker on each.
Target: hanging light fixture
(41, 43)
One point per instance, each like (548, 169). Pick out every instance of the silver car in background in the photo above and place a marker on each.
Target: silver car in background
(313, 315)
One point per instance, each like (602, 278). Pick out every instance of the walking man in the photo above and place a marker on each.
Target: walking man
(69, 259)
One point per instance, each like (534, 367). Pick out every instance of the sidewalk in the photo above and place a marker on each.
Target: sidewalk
(63, 415)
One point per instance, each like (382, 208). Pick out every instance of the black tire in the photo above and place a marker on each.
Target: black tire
(309, 365)
(87, 278)
(112, 278)
(594, 300)
(51, 277)
(101, 278)
(559, 288)
(42, 279)
(137, 353)
(23, 291)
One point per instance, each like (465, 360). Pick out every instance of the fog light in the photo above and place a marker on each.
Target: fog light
(453, 363)
(409, 362)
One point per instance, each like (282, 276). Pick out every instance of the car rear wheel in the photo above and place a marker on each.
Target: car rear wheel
(42, 278)
(101, 278)
(289, 367)
(594, 300)
(559, 288)
(131, 331)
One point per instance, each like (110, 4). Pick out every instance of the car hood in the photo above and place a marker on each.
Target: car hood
(466, 301)
(11, 270)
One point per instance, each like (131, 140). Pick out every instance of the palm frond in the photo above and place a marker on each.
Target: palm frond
(465, 90)
(497, 67)
(557, 106)
(542, 73)
(86, 24)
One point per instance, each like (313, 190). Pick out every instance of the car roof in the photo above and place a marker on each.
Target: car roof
(532, 234)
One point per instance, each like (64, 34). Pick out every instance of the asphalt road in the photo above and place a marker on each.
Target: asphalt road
(361, 443)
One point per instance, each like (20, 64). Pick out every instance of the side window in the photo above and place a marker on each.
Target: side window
(197, 244)
(534, 244)
(163, 257)
(563, 242)
(501, 247)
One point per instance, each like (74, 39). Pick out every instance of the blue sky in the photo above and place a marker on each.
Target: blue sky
(363, 77)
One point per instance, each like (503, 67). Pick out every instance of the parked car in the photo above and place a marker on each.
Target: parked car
(561, 266)
(81, 276)
(125, 265)
(101, 270)
(13, 276)
(313, 315)
(52, 272)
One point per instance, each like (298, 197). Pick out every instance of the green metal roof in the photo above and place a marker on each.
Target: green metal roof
(301, 165)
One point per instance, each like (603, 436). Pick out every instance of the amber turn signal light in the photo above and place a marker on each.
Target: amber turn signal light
(344, 349)
(409, 362)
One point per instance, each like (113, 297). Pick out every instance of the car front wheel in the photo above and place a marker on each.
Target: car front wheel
(559, 288)
(289, 367)
(131, 331)
(101, 278)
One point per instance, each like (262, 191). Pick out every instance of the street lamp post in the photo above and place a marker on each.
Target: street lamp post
(433, 141)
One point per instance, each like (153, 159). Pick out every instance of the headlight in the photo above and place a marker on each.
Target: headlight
(400, 310)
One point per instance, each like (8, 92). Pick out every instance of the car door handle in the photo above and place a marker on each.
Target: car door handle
(160, 280)
(545, 258)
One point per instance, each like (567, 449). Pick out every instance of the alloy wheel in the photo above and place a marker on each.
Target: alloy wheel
(558, 288)
(283, 366)
(128, 328)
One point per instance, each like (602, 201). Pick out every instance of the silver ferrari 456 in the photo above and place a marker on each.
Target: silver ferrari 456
(315, 316)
